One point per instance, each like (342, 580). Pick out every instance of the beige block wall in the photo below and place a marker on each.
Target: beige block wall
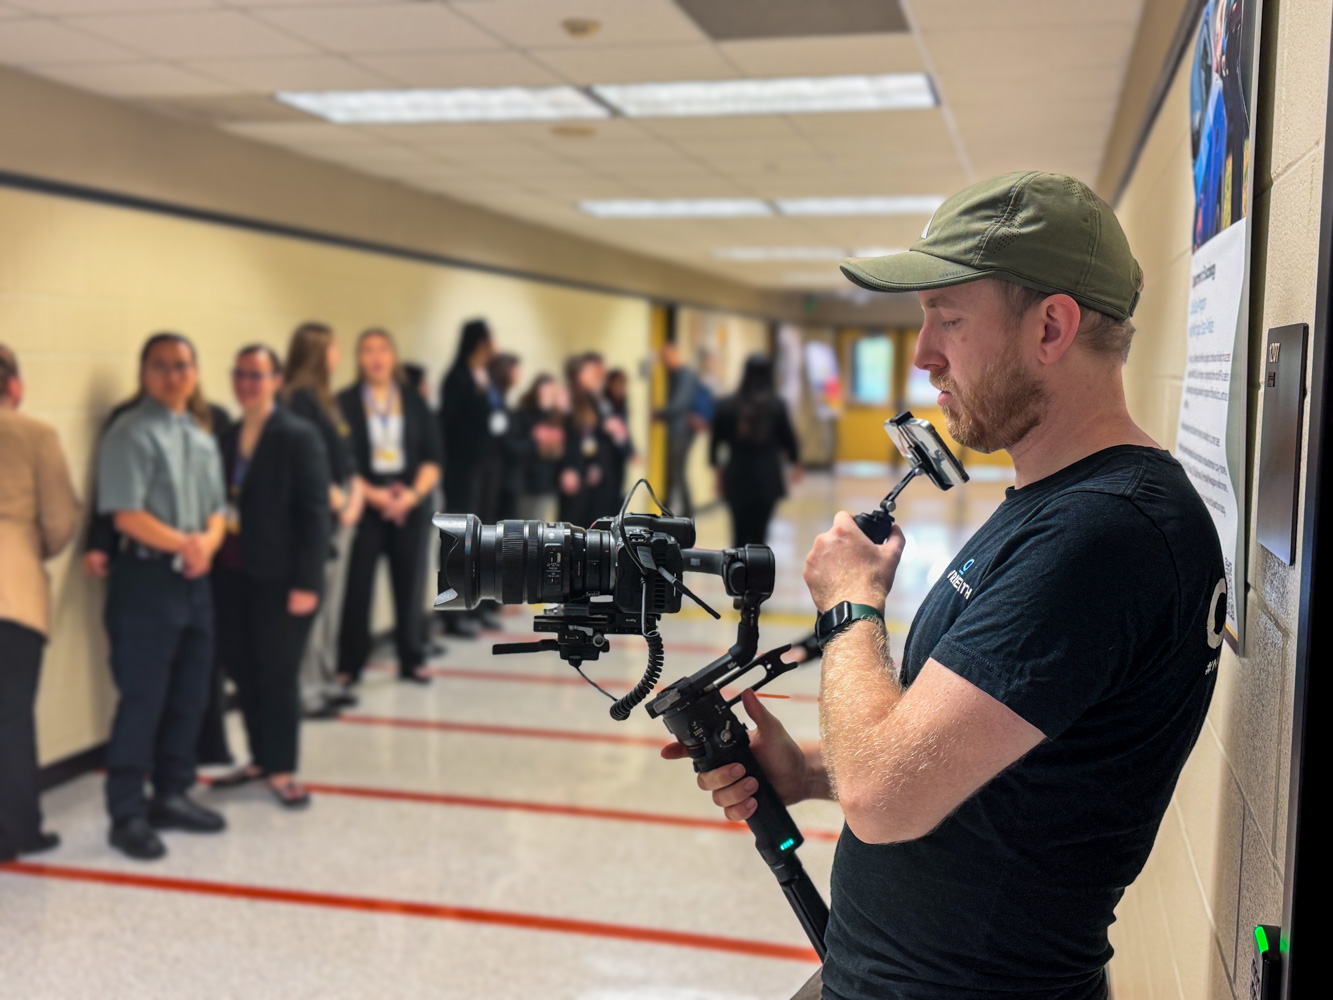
(82, 284)
(1185, 927)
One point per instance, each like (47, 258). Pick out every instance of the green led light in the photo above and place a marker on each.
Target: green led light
(789, 842)
(1261, 938)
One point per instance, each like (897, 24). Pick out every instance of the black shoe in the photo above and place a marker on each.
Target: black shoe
(328, 710)
(136, 839)
(415, 677)
(490, 620)
(342, 699)
(434, 649)
(177, 812)
(461, 625)
(44, 842)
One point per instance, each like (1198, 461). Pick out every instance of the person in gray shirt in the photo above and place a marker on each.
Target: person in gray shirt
(682, 422)
(159, 476)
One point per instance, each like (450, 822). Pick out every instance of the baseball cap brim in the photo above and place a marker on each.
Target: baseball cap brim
(911, 271)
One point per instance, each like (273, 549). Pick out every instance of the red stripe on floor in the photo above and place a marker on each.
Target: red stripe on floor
(437, 911)
(548, 808)
(491, 730)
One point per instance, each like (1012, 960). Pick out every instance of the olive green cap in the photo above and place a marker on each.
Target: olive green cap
(1045, 231)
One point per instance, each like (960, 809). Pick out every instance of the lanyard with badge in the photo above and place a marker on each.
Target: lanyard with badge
(386, 432)
(234, 487)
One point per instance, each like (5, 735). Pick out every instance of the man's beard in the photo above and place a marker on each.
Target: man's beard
(1004, 405)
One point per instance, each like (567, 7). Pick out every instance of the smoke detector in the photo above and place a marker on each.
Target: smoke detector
(580, 27)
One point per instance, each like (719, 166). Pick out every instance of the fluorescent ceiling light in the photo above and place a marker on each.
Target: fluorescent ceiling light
(470, 104)
(781, 96)
(756, 255)
(901, 205)
(676, 208)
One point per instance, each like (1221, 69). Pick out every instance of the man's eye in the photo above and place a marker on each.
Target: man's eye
(949, 324)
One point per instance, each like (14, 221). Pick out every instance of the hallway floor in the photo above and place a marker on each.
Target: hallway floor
(494, 835)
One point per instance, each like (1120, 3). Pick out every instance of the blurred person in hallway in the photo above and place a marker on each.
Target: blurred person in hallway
(159, 475)
(1013, 767)
(102, 542)
(754, 429)
(591, 451)
(537, 446)
(397, 454)
(498, 478)
(270, 569)
(465, 412)
(312, 357)
(682, 423)
(39, 514)
(616, 394)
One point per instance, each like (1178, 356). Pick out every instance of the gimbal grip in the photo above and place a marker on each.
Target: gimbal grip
(877, 525)
(775, 832)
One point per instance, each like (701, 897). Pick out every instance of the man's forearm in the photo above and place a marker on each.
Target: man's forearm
(216, 532)
(147, 530)
(818, 784)
(858, 692)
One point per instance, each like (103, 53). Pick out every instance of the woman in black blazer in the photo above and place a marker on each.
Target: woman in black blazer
(269, 573)
(397, 451)
(754, 429)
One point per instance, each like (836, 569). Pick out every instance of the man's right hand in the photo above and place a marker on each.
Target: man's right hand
(96, 564)
(778, 754)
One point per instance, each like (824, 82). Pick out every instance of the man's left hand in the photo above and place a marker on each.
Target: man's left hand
(845, 565)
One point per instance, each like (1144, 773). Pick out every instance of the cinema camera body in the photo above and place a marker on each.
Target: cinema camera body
(619, 577)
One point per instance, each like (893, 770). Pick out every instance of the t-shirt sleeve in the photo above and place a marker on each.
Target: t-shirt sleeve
(124, 469)
(1065, 612)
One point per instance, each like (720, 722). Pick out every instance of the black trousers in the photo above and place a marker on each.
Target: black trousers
(20, 807)
(678, 484)
(376, 537)
(749, 521)
(161, 629)
(261, 645)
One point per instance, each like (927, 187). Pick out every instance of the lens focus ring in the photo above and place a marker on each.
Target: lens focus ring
(511, 562)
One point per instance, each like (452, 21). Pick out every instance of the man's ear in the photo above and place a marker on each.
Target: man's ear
(1060, 318)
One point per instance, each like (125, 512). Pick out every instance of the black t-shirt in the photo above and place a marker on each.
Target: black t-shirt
(1092, 604)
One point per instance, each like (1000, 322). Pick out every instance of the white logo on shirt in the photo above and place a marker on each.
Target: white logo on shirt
(957, 581)
(1217, 620)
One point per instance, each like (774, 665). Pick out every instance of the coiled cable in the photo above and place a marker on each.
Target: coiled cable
(620, 711)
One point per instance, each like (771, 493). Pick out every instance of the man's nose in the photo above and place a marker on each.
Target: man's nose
(927, 356)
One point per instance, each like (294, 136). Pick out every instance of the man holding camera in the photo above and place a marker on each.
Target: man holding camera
(1004, 780)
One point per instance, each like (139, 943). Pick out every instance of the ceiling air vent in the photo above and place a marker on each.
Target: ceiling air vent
(740, 19)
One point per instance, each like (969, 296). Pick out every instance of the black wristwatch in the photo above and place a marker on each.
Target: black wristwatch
(838, 617)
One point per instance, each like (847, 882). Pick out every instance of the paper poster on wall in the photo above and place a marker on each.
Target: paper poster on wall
(1211, 433)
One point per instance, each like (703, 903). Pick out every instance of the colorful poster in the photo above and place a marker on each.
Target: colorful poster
(1211, 433)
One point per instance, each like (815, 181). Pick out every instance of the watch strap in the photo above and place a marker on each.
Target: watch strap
(840, 616)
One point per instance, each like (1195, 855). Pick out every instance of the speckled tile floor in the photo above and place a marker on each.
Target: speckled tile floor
(428, 865)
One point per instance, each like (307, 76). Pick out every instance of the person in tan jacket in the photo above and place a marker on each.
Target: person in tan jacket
(39, 513)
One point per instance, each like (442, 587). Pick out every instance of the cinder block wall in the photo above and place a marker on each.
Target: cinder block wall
(1185, 927)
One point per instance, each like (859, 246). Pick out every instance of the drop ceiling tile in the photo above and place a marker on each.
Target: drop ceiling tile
(460, 69)
(205, 34)
(135, 80)
(291, 73)
(64, 8)
(30, 42)
(637, 63)
(905, 128)
(411, 27)
(830, 56)
(723, 127)
(535, 24)
(936, 14)
(434, 133)
(971, 58)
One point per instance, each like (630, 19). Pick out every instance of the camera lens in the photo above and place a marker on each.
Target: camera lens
(521, 562)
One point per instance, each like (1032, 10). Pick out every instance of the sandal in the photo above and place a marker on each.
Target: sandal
(237, 778)
(291, 794)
